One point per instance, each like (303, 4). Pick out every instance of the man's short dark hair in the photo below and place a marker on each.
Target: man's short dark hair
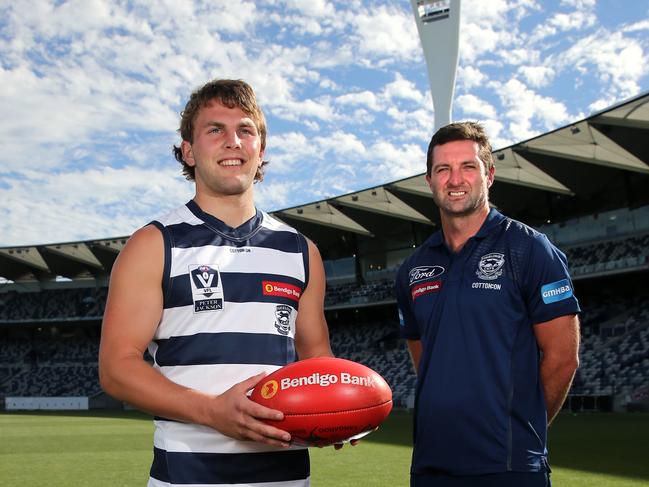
(230, 93)
(461, 131)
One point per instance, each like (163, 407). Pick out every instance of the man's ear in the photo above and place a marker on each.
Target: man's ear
(188, 155)
(491, 175)
(429, 182)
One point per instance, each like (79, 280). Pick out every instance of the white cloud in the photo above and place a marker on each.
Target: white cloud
(312, 8)
(469, 77)
(618, 61)
(525, 106)
(403, 89)
(364, 98)
(340, 144)
(91, 93)
(396, 162)
(537, 76)
(386, 31)
(87, 204)
(580, 4)
(636, 26)
(472, 105)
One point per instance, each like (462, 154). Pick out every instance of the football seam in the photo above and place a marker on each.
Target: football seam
(346, 411)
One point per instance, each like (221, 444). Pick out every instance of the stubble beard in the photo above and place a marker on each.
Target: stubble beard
(473, 205)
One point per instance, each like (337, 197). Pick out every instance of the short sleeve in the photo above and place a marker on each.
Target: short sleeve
(408, 327)
(547, 287)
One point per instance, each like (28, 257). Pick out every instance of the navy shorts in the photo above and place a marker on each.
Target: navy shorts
(507, 479)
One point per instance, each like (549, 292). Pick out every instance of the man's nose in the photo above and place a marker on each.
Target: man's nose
(455, 177)
(232, 139)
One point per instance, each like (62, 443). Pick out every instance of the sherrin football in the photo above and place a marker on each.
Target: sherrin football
(325, 400)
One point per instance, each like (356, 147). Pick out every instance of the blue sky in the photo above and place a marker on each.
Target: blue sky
(91, 92)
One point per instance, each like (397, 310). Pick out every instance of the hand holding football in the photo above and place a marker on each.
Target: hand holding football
(325, 400)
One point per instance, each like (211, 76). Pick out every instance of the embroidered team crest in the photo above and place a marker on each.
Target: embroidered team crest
(207, 291)
(490, 266)
(283, 318)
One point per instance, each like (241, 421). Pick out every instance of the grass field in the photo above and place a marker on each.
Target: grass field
(95, 450)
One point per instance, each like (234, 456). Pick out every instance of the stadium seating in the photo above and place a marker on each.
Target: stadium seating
(602, 257)
(614, 352)
(377, 346)
(55, 365)
(50, 305)
(615, 356)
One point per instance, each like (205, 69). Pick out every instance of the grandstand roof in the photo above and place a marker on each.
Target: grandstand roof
(596, 164)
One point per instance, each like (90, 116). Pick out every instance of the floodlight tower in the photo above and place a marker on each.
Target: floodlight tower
(438, 23)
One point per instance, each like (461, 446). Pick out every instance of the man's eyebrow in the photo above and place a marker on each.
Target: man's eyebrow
(243, 123)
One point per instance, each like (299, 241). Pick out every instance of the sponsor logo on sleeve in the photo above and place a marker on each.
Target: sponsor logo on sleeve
(207, 290)
(283, 289)
(556, 291)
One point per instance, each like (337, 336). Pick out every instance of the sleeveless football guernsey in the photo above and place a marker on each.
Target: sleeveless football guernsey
(230, 303)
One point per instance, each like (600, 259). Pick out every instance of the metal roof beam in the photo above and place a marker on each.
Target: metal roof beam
(79, 252)
(323, 213)
(378, 200)
(29, 256)
(584, 143)
(514, 168)
(415, 185)
(621, 122)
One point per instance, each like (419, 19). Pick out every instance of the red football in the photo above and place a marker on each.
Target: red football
(325, 400)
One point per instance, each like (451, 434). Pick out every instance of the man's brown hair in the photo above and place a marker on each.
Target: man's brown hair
(461, 131)
(230, 93)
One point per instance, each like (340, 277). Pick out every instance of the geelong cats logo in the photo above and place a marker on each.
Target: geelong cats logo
(490, 266)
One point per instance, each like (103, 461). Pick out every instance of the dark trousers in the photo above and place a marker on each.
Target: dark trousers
(507, 479)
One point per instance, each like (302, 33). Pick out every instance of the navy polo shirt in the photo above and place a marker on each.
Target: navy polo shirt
(479, 400)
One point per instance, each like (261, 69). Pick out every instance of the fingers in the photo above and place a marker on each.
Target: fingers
(338, 446)
(251, 382)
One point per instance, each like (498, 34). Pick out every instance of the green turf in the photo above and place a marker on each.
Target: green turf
(95, 449)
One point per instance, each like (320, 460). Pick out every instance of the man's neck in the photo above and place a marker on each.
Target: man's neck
(458, 229)
(232, 210)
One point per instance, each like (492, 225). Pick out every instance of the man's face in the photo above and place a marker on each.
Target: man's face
(226, 151)
(458, 179)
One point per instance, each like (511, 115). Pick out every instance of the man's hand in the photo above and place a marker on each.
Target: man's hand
(338, 446)
(235, 415)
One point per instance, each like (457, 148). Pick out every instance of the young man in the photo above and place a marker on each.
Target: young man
(221, 294)
(488, 310)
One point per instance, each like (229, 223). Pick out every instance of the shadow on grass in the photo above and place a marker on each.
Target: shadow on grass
(605, 443)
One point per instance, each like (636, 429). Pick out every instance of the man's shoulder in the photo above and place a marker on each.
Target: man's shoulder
(180, 214)
(522, 231)
(270, 222)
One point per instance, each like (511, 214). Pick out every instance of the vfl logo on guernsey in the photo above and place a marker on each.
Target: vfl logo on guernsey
(556, 291)
(207, 292)
(490, 266)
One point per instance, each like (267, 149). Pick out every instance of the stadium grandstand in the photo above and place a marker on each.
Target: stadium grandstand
(585, 185)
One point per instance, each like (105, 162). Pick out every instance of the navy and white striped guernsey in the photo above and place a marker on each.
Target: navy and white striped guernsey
(230, 302)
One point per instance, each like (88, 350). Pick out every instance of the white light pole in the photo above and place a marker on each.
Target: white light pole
(438, 23)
